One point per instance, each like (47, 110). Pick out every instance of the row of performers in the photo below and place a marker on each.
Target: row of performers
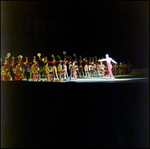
(57, 69)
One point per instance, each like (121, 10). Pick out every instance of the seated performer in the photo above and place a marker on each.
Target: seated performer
(109, 60)
(47, 73)
(60, 72)
(73, 71)
(18, 73)
(34, 71)
(27, 70)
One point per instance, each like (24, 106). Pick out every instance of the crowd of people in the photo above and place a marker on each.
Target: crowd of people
(66, 68)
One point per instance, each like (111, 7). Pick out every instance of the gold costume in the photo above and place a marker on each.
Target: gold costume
(17, 71)
(34, 69)
(73, 68)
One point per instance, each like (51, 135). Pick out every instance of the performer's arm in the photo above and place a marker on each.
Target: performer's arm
(101, 60)
(41, 60)
(113, 61)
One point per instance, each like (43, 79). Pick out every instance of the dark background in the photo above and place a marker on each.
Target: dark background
(75, 115)
(85, 28)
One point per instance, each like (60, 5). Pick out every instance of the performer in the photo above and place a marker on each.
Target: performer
(34, 70)
(44, 61)
(70, 64)
(20, 61)
(80, 67)
(90, 66)
(86, 66)
(120, 68)
(124, 68)
(6, 67)
(73, 71)
(47, 73)
(3, 72)
(129, 67)
(18, 73)
(54, 62)
(60, 72)
(116, 68)
(65, 66)
(27, 70)
(12, 67)
(36, 64)
(109, 60)
(76, 63)
(92, 69)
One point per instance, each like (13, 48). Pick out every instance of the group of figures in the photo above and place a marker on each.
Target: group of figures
(69, 68)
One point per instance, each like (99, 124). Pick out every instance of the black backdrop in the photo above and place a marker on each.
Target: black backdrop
(84, 28)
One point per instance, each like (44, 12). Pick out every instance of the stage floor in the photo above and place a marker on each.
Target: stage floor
(119, 79)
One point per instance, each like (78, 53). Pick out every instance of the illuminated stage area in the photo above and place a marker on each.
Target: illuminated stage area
(97, 80)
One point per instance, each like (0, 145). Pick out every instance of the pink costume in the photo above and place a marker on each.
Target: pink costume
(108, 60)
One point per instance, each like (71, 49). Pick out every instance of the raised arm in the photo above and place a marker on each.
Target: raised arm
(41, 60)
(113, 61)
(101, 60)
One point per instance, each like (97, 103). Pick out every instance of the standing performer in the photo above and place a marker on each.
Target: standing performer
(65, 66)
(54, 62)
(6, 68)
(3, 73)
(76, 63)
(90, 66)
(80, 67)
(93, 68)
(20, 61)
(109, 60)
(36, 64)
(73, 71)
(70, 64)
(27, 70)
(12, 67)
(44, 61)
(129, 67)
(116, 68)
(34, 70)
(120, 68)
(86, 67)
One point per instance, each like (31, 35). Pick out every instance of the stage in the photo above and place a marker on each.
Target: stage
(117, 79)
